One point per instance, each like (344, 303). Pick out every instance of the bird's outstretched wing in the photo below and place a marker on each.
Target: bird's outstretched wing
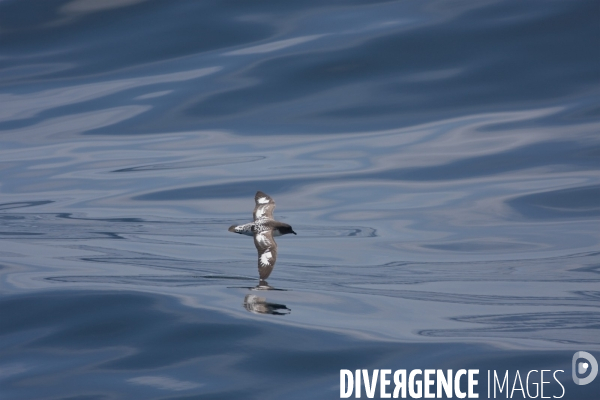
(264, 206)
(267, 252)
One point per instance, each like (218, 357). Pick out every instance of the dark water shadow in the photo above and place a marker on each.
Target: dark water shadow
(23, 204)
(577, 202)
(128, 344)
(191, 164)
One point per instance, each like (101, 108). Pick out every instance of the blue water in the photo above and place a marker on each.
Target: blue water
(440, 161)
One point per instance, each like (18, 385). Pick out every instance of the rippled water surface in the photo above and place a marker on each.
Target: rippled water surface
(439, 160)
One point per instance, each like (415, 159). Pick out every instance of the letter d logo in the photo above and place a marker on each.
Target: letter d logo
(583, 367)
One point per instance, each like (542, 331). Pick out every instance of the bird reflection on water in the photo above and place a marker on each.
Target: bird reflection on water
(260, 305)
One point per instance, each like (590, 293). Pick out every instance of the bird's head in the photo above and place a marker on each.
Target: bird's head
(285, 229)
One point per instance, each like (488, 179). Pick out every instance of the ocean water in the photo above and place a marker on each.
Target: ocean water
(439, 160)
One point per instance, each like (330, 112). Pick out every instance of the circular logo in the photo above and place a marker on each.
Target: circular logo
(581, 367)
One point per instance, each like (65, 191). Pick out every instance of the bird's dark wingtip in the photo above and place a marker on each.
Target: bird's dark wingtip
(231, 228)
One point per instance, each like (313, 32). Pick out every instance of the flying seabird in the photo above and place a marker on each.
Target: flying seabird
(264, 228)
